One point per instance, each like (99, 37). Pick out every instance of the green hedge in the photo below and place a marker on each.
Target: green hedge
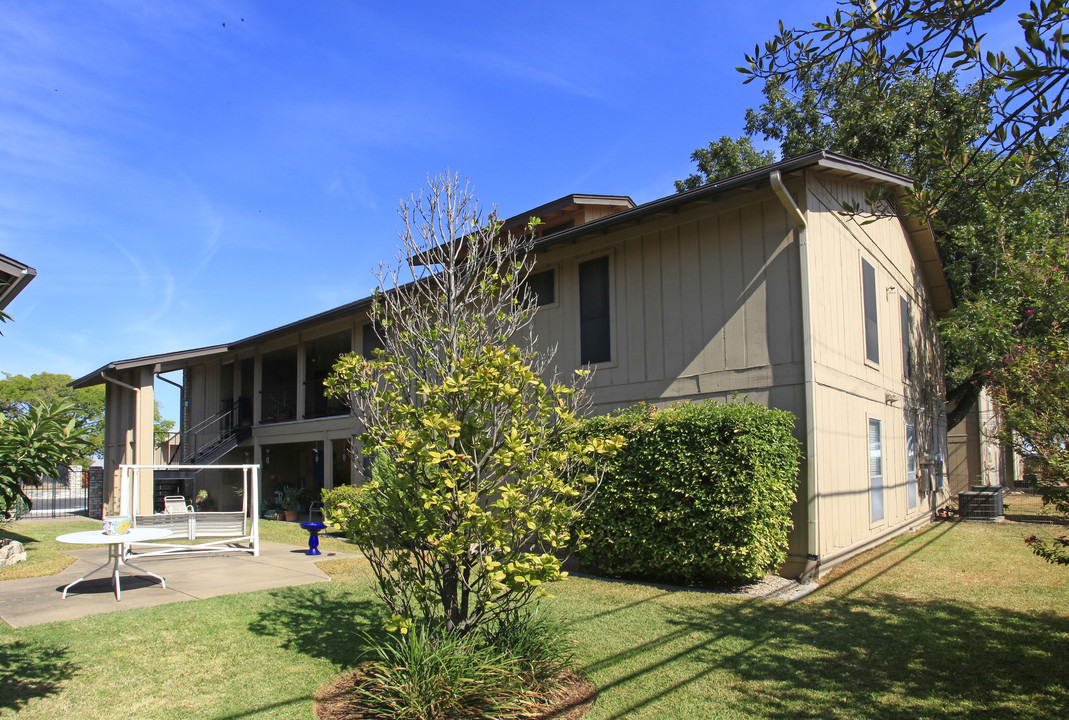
(339, 494)
(702, 491)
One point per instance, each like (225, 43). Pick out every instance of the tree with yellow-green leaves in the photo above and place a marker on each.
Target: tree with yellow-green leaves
(478, 476)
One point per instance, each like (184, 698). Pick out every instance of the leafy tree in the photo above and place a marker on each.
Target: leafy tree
(1032, 389)
(478, 474)
(722, 159)
(18, 393)
(161, 428)
(35, 443)
(994, 215)
(990, 165)
(892, 39)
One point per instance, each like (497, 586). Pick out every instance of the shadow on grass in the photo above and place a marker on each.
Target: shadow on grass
(29, 671)
(267, 710)
(322, 623)
(1036, 519)
(27, 541)
(902, 549)
(877, 657)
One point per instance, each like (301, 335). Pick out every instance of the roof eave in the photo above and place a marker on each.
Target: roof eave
(21, 273)
(165, 362)
(822, 158)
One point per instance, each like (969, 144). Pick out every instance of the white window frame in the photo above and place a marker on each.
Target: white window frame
(911, 465)
(875, 338)
(877, 496)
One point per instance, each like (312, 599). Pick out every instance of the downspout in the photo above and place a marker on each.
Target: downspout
(812, 565)
(137, 424)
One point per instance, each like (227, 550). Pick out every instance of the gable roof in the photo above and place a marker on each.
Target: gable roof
(846, 167)
(842, 166)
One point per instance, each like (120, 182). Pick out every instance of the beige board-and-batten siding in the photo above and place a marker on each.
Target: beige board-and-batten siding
(702, 301)
(849, 389)
(705, 304)
(128, 429)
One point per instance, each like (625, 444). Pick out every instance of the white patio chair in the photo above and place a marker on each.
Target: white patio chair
(176, 505)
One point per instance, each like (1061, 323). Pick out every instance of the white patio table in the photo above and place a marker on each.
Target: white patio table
(117, 549)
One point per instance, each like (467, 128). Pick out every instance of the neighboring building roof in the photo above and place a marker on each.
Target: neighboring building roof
(627, 213)
(13, 277)
(161, 363)
(547, 213)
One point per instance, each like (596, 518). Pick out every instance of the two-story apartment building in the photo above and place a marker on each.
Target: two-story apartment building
(757, 286)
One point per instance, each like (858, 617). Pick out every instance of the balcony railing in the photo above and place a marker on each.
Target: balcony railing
(278, 404)
(318, 405)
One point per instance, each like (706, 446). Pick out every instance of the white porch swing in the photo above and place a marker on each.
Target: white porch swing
(237, 531)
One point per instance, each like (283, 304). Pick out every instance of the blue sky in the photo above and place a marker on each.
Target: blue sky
(189, 173)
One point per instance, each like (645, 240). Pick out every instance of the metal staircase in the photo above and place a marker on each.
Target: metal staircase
(212, 438)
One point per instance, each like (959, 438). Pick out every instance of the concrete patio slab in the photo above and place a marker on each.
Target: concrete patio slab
(33, 601)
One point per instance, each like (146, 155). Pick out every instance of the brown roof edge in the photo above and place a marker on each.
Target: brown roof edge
(930, 261)
(20, 274)
(567, 200)
(820, 158)
(156, 361)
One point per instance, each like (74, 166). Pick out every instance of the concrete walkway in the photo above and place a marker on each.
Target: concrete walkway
(33, 601)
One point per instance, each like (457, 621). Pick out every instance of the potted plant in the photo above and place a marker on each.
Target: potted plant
(269, 509)
(202, 502)
(291, 499)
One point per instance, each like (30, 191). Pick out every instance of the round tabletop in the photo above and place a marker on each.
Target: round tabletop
(97, 537)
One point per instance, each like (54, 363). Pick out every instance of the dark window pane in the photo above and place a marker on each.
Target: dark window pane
(543, 286)
(907, 340)
(872, 343)
(594, 340)
(371, 341)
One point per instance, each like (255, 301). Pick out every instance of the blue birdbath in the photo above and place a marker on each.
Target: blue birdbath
(313, 537)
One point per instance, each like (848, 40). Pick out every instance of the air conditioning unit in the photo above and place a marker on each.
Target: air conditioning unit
(981, 502)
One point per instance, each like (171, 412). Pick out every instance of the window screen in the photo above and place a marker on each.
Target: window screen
(868, 281)
(911, 467)
(543, 286)
(907, 340)
(371, 341)
(876, 469)
(594, 341)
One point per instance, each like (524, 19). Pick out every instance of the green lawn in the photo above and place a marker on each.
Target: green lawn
(956, 621)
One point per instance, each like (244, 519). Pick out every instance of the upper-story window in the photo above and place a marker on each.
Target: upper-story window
(543, 286)
(872, 328)
(370, 341)
(278, 388)
(594, 327)
(320, 356)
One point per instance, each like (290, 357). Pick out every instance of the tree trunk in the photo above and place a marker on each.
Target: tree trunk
(966, 394)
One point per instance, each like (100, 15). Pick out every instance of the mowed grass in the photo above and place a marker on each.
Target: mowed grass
(44, 556)
(958, 620)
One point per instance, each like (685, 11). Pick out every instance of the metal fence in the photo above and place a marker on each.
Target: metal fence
(63, 496)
